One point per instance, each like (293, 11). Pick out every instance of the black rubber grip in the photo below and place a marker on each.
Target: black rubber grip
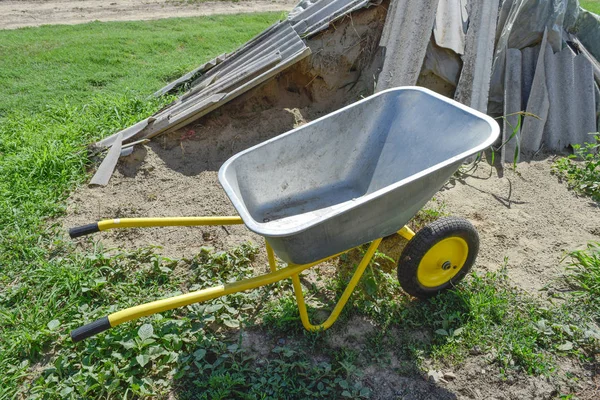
(86, 331)
(83, 230)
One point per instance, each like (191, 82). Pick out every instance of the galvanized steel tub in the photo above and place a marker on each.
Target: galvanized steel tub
(355, 175)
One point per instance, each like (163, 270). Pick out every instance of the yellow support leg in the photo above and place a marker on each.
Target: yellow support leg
(271, 256)
(406, 233)
(345, 296)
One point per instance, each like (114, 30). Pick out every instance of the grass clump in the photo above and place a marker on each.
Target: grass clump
(591, 5)
(584, 276)
(71, 63)
(581, 170)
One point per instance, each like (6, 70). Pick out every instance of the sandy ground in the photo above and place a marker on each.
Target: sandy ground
(526, 218)
(22, 13)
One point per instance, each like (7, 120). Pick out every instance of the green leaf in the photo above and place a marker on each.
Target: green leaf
(232, 323)
(146, 331)
(346, 393)
(52, 325)
(213, 308)
(199, 354)
(143, 359)
(66, 391)
(566, 346)
(442, 332)
(128, 345)
(458, 331)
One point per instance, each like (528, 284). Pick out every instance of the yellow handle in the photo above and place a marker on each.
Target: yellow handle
(177, 221)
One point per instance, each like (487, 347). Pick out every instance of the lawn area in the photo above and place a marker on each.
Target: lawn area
(591, 5)
(66, 86)
(63, 87)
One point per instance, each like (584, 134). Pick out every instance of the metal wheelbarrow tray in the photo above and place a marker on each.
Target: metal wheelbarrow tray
(355, 175)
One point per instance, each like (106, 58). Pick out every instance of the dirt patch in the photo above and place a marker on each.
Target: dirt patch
(22, 13)
(526, 215)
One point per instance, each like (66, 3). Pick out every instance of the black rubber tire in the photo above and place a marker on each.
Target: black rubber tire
(424, 240)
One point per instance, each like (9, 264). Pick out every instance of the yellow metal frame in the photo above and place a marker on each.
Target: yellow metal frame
(291, 271)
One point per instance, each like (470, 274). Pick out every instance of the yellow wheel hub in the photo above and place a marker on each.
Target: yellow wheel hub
(442, 262)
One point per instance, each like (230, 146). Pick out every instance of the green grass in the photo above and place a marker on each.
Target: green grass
(64, 87)
(41, 65)
(591, 5)
(585, 276)
(581, 170)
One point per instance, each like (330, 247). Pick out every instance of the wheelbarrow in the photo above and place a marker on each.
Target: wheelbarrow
(352, 177)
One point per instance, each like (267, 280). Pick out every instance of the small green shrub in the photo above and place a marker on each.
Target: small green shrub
(581, 170)
(584, 276)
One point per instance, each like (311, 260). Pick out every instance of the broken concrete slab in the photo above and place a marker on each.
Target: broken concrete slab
(443, 63)
(404, 42)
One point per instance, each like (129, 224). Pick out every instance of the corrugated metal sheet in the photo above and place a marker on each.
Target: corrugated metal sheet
(228, 76)
(588, 31)
(263, 57)
(474, 84)
(572, 114)
(522, 24)
(513, 100)
(406, 34)
(597, 90)
(320, 14)
(538, 103)
(190, 76)
(562, 93)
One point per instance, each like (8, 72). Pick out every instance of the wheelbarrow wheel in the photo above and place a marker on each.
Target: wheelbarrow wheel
(438, 257)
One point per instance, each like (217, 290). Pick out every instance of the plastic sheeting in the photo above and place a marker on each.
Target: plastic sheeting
(451, 24)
